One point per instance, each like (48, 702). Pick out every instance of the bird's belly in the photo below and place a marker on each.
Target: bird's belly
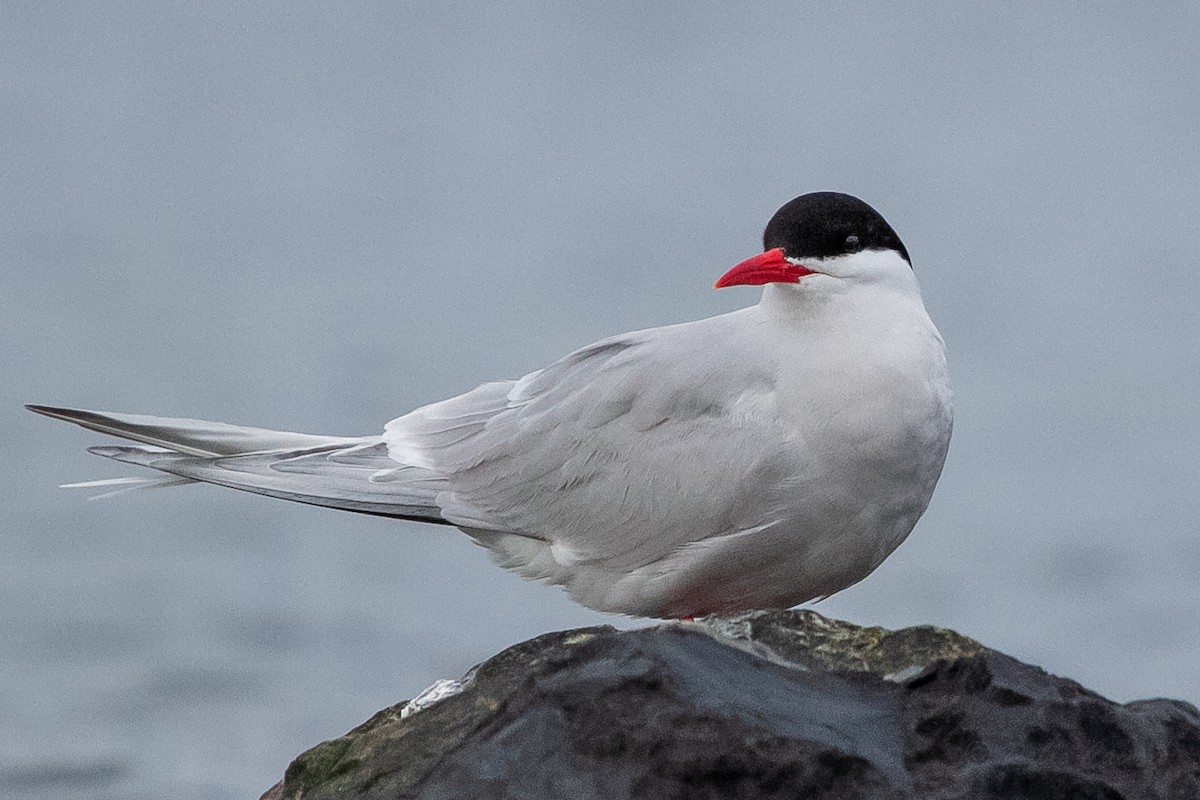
(829, 506)
(794, 561)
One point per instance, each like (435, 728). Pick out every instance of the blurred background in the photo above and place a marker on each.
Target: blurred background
(318, 216)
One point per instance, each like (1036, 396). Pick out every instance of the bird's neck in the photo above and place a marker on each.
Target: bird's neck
(824, 296)
(879, 319)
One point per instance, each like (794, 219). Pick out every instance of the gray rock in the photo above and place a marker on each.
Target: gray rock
(782, 704)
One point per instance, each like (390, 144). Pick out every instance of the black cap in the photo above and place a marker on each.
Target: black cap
(827, 224)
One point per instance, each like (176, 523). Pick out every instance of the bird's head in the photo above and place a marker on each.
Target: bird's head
(824, 233)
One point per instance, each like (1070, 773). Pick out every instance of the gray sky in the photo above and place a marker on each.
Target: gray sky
(319, 216)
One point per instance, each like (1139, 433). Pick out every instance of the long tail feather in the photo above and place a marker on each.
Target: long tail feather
(127, 485)
(195, 437)
(349, 473)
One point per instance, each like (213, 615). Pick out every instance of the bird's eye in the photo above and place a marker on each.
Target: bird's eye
(852, 240)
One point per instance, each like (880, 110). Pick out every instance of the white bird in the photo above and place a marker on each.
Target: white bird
(757, 459)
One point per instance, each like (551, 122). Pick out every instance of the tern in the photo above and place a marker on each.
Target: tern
(753, 460)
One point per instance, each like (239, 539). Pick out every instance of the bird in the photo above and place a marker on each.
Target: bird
(754, 460)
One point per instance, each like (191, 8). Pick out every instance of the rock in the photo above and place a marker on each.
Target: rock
(784, 704)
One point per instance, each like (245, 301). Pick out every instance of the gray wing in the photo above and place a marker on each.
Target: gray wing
(614, 456)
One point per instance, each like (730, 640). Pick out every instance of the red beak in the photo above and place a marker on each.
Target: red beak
(768, 267)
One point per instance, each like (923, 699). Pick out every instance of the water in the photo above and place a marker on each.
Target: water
(318, 221)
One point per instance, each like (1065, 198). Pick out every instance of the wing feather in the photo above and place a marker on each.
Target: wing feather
(597, 454)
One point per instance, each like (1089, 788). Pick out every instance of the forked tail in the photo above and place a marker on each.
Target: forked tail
(350, 473)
